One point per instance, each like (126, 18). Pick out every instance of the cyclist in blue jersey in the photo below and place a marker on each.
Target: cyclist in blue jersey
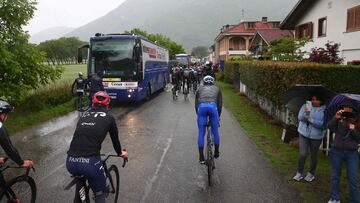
(208, 105)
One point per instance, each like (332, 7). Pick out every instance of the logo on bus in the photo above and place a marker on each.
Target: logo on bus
(150, 51)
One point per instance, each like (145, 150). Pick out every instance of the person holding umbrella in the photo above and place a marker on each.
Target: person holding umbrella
(311, 132)
(346, 126)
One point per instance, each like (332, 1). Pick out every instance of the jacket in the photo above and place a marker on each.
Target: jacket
(207, 94)
(313, 129)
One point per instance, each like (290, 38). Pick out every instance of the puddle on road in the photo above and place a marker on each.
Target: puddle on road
(57, 124)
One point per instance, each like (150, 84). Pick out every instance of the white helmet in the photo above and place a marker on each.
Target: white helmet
(208, 79)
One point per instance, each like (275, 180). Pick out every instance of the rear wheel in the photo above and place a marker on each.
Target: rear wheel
(24, 188)
(209, 163)
(112, 183)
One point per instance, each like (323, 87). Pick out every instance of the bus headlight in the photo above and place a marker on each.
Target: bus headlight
(131, 90)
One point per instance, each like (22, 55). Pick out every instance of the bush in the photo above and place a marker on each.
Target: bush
(271, 79)
(220, 75)
(45, 97)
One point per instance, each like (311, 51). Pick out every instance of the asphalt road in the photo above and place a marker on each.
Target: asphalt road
(161, 138)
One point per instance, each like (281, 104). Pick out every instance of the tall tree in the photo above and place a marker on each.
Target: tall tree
(21, 67)
(172, 46)
(199, 51)
(286, 49)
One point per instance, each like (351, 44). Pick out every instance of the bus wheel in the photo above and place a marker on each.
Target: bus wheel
(148, 92)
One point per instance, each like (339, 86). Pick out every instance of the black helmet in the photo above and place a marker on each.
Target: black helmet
(5, 107)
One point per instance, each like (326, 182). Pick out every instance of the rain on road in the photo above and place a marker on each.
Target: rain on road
(161, 138)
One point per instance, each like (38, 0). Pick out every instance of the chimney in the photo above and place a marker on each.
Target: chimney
(264, 19)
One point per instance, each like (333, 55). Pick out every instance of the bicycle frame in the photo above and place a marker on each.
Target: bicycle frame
(85, 188)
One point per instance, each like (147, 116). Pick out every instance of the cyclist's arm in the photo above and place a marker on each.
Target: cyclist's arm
(115, 137)
(219, 102)
(196, 101)
(9, 149)
(72, 87)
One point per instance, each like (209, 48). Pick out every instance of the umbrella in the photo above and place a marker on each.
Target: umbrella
(337, 101)
(296, 96)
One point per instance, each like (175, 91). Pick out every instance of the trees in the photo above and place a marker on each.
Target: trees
(330, 55)
(199, 51)
(286, 49)
(21, 67)
(61, 51)
(172, 46)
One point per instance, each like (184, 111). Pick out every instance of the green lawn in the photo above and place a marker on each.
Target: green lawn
(266, 134)
(71, 72)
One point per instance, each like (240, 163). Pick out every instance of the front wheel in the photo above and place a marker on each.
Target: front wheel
(24, 188)
(113, 183)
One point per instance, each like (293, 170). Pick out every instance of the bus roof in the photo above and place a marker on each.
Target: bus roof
(123, 36)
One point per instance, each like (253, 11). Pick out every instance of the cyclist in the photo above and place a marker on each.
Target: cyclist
(80, 83)
(208, 104)
(208, 69)
(95, 84)
(175, 79)
(5, 141)
(186, 79)
(84, 153)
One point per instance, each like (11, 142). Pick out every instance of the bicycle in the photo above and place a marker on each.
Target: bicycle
(21, 189)
(194, 87)
(174, 90)
(112, 182)
(209, 161)
(82, 102)
(186, 90)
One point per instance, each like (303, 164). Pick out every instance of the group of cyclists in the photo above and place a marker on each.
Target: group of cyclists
(186, 77)
(83, 156)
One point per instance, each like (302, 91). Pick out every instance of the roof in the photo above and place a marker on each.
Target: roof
(272, 34)
(241, 28)
(295, 14)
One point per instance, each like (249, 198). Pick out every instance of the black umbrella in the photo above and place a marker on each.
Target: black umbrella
(337, 101)
(296, 96)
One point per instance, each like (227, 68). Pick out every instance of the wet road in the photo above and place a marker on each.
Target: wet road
(160, 136)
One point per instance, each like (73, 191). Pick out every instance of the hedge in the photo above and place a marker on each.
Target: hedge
(270, 79)
(45, 97)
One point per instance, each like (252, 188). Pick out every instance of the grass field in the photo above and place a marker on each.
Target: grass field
(266, 134)
(71, 72)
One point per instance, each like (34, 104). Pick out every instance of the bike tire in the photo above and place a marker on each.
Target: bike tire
(28, 181)
(113, 180)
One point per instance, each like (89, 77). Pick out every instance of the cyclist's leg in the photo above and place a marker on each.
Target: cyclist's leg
(201, 120)
(95, 174)
(214, 120)
(73, 168)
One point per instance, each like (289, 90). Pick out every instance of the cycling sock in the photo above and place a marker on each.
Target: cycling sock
(201, 154)
(217, 154)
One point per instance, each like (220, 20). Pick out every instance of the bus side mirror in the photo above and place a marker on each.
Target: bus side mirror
(137, 54)
(80, 53)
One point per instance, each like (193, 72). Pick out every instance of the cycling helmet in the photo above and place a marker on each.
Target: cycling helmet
(100, 73)
(80, 74)
(208, 79)
(5, 107)
(101, 98)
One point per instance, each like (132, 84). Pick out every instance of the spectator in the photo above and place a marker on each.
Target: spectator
(346, 126)
(311, 132)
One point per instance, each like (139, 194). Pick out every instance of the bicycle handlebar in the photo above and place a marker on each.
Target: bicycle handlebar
(117, 156)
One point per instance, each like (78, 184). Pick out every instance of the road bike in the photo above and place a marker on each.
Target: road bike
(21, 189)
(112, 182)
(209, 160)
(82, 102)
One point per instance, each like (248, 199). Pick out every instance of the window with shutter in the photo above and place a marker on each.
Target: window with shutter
(322, 27)
(310, 30)
(353, 19)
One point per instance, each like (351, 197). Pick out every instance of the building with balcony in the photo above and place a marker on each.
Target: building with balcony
(234, 40)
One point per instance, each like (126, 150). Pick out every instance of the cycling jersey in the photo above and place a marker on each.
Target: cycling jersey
(8, 147)
(80, 83)
(208, 94)
(91, 131)
(96, 84)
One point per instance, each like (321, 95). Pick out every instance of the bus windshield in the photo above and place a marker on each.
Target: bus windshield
(114, 57)
(182, 60)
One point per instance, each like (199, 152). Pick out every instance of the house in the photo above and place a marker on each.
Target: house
(234, 40)
(327, 20)
(263, 37)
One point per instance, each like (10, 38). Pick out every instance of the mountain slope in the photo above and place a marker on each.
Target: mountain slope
(189, 22)
(51, 33)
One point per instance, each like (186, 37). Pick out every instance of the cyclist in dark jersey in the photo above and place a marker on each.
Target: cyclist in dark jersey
(95, 84)
(84, 153)
(80, 83)
(5, 141)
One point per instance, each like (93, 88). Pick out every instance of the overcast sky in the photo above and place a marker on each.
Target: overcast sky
(68, 13)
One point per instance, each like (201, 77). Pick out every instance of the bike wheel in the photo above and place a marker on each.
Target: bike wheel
(113, 183)
(209, 163)
(24, 188)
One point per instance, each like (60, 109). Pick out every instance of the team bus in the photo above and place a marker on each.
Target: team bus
(183, 59)
(133, 67)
